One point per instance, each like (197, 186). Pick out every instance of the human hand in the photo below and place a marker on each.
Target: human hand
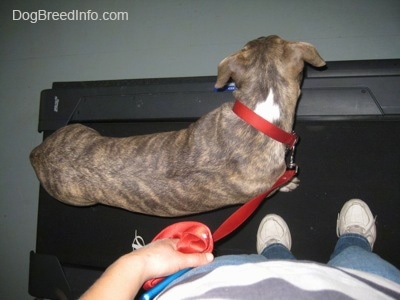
(161, 258)
(123, 279)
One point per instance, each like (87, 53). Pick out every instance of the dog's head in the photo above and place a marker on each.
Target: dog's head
(268, 63)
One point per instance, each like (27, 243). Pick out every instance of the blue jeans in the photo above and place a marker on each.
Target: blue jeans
(352, 251)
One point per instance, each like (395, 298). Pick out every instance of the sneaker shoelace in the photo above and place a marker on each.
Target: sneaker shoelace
(363, 230)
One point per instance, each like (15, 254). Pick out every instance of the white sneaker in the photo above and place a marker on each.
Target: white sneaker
(273, 229)
(356, 217)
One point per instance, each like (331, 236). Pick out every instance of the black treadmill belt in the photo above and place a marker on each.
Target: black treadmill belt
(338, 160)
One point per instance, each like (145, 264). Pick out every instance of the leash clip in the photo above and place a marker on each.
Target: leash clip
(292, 165)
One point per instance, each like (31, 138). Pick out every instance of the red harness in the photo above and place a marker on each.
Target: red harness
(195, 237)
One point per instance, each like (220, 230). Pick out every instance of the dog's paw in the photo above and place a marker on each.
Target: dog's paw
(291, 185)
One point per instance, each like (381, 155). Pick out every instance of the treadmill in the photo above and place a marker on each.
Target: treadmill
(348, 121)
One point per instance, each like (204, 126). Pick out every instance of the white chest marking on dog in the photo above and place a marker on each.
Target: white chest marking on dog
(268, 109)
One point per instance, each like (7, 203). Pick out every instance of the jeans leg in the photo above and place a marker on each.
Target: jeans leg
(277, 251)
(354, 252)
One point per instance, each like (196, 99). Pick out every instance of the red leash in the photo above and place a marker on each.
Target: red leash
(246, 210)
(195, 237)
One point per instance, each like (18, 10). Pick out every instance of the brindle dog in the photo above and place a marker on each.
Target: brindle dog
(217, 161)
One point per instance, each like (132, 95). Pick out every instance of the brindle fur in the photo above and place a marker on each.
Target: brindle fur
(217, 161)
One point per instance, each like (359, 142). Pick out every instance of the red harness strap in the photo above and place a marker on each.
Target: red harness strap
(195, 237)
(264, 126)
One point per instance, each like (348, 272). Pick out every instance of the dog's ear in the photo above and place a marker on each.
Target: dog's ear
(308, 53)
(228, 68)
